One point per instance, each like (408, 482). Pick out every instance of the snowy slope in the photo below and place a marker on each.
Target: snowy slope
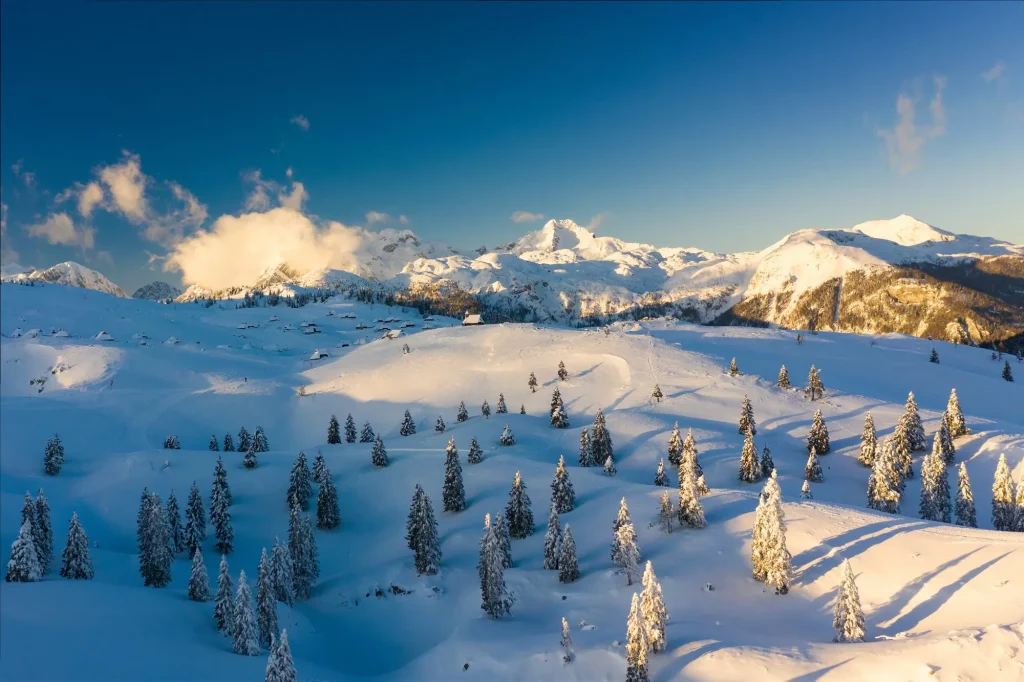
(941, 602)
(69, 274)
(157, 291)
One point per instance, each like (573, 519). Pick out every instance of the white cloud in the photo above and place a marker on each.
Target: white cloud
(89, 197)
(264, 191)
(906, 139)
(300, 121)
(58, 228)
(374, 217)
(153, 258)
(595, 222)
(127, 186)
(526, 217)
(404, 220)
(288, 172)
(295, 198)
(7, 252)
(29, 178)
(996, 73)
(102, 258)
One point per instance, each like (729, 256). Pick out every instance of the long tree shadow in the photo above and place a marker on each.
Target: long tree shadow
(673, 669)
(836, 555)
(819, 673)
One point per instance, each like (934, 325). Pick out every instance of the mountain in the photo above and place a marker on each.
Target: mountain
(68, 274)
(157, 291)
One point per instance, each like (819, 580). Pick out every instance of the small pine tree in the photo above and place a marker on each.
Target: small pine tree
(665, 512)
(652, 609)
(805, 491)
(408, 426)
(884, 482)
(522, 408)
(174, 527)
(817, 437)
(43, 533)
(259, 441)
(552, 540)
(198, 580)
(518, 513)
(868, 442)
(656, 394)
(280, 665)
(734, 369)
(566, 643)
(333, 431)
(495, 598)
(303, 551)
(224, 603)
(815, 389)
(783, 380)
(1003, 504)
(747, 422)
(283, 572)
(568, 566)
(485, 410)
(378, 454)
(562, 374)
(767, 463)
(601, 440)
(955, 416)
(220, 518)
(214, 444)
(934, 504)
(229, 445)
(770, 540)
(690, 511)
(916, 428)
(965, 514)
(504, 541)
(454, 493)
(690, 452)
(902, 448)
(609, 466)
(532, 383)
(848, 620)
(586, 453)
(675, 447)
(812, 470)
(195, 520)
(366, 435)
(328, 516)
(660, 476)
(462, 415)
(156, 553)
(439, 425)
(266, 601)
(475, 454)
(1007, 372)
(750, 468)
(319, 467)
(244, 634)
(563, 496)
(559, 419)
(637, 644)
(350, 429)
(501, 408)
(76, 563)
(249, 461)
(244, 440)
(934, 357)
(625, 553)
(300, 487)
(23, 566)
(171, 443)
(53, 459)
(948, 449)
(506, 437)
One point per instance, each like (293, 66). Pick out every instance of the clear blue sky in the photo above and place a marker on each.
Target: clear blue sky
(720, 126)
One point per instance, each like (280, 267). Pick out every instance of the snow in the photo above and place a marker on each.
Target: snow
(936, 597)
(69, 274)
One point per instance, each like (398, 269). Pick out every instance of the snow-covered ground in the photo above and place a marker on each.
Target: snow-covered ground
(941, 602)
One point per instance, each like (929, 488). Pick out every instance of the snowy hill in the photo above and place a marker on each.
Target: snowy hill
(69, 274)
(940, 601)
(157, 291)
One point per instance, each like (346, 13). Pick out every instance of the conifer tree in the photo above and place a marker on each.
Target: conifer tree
(463, 415)
(76, 563)
(300, 487)
(319, 467)
(23, 566)
(690, 452)
(506, 437)
(1007, 372)
(229, 445)
(350, 429)
(244, 634)
(817, 438)
(454, 493)
(815, 389)
(171, 443)
(675, 447)
(156, 553)
(214, 444)
(503, 539)
(249, 461)
(303, 551)
(408, 425)
(43, 533)
(690, 511)
(848, 620)
(198, 580)
(767, 463)
(916, 428)
(518, 513)
(902, 449)
(586, 453)
(661, 476)
(637, 644)
(259, 441)
(812, 470)
(266, 601)
(948, 449)
(1003, 504)
(220, 482)
(495, 598)
(747, 422)
(280, 665)
(224, 603)
(378, 454)
(556, 400)
(485, 410)
(562, 374)
(1018, 519)
(283, 573)
(734, 369)
(665, 512)
(568, 566)
(652, 609)
(501, 408)
(532, 383)
(934, 357)
(656, 394)
(702, 487)
(28, 512)
(522, 408)
(750, 468)
(552, 540)
(566, 643)
(805, 491)
(770, 540)
(475, 454)
(244, 440)
(884, 482)
(220, 519)
(563, 496)
(366, 435)
(609, 466)
(559, 419)
(965, 514)
(783, 380)
(421, 534)
(601, 440)
(625, 553)
(53, 459)
(327, 514)
(333, 431)
(955, 416)
(439, 425)
(174, 527)
(868, 442)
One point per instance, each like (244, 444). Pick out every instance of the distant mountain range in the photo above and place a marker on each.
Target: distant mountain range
(898, 275)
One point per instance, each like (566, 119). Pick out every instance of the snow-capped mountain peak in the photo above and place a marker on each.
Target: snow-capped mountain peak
(71, 274)
(157, 291)
(904, 230)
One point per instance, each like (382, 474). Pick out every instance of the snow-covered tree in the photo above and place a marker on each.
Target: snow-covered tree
(747, 422)
(283, 573)
(220, 518)
(805, 491)
(734, 369)
(463, 415)
(868, 442)
(220, 482)
(350, 429)
(815, 389)
(506, 437)
(199, 579)
(690, 452)
(366, 435)
(229, 445)
(656, 394)
(439, 425)
(23, 566)
(661, 476)
(453, 493)
(408, 426)
(586, 453)
(532, 383)
(259, 441)
(485, 410)
(767, 463)
(771, 558)
(504, 541)
(601, 440)
(665, 512)
(563, 496)
(244, 633)
(675, 446)
(965, 514)
(1007, 372)
(552, 540)
(955, 416)
(848, 620)
(637, 644)
(155, 552)
(249, 461)
(652, 609)
(562, 373)
(884, 482)
(916, 428)
(902, 448)
(566, 643)
(475, 454)
(224, 603)
(303, 551)
(300, 487)
(750, 468)
(378, 454)
(280, 665)
(559, 418)
(812, 470)
(625, 552)
(501, 408)
(609, 466)
(934, 357)
(817, 437)
(568, 567)
(328, 516)
(333, 431)
(495, 598)
(174, 527)
(244, 440)
(783, 380)
(421, 534)
(266, 601)
(518, 513)
(1003, 503)
(214, 444)
(171, 443)
(53, 458)
(690, 511)
(946, 440)
(934, 505)
(43, 533)
(76, 563)
(319, 470)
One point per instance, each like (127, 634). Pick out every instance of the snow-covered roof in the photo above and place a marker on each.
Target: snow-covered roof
(393, 334)
(103, 336)
(317, 354)
(473, 319)
(60, 333)
(17, 333)
(172, 340)
(32, 333)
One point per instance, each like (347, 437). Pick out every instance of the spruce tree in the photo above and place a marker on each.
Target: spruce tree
(783, 380)
(675, 447)
(1007, 372)
(214, 444)
(485, 410)
(23, 566)
(747, 422)
(934, 357)
(586, 453)
(220, 482)
(652, 609)
(244, 440)
(916, 428)
(522, 408)
(812, 470)
(171, 443)
(408, 426)
(884, 482)
(948, 449)
(249, 461)
(174, 527)
(556, 400)
(506, 437)
(327, 514)
(28, 512)
(637, 644)
(280, 665)
(750, 468)
(463, 414)
(53, 459)
(902, 448)
(518, 513)
(625, 553)
(43, 533)
(1003, 504)
(503, 539)
(767, 463)
(156, 553)
(559, 418)
(1018, 519)
(690, 452)
(656, 394)
(76, 563)
(562, 374)
(775, 556)
(259, 441)
(454, 493)
(333, 431)
(848, 619)
(366, 435)
(601, 440)
(552, 540)
(868, 442)
(303, 551)
(955, 416)
(224, 603)
(475, 454)
(378, 454)
(965, 514)
(690, 511)
(815, 389)
(229, 445)
(300, 488)
(563, 496)
(566, 643)
(609, 466)
(661, 476)
(805, 491)
(198, 580)
(817, 438)
(568, 567)
(501, 408)
(283, 573)
(266, 601)
(734, 369)
(439, 425)
(665, 512)
(319, 467)
(532, 383)
(934, 505)
(220, 519)
(495, 598)
(244, 633)
(350, 429)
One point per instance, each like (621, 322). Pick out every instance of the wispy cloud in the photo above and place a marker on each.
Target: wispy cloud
(300, 121)
(996, 73)
(379, 217)
(905, 140)
(595, 222)
(18, 168)
(7, 252)
(265, 192)
(526, 217)
(60, 229)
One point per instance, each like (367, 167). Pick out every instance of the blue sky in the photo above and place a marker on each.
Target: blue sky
(719, 126)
